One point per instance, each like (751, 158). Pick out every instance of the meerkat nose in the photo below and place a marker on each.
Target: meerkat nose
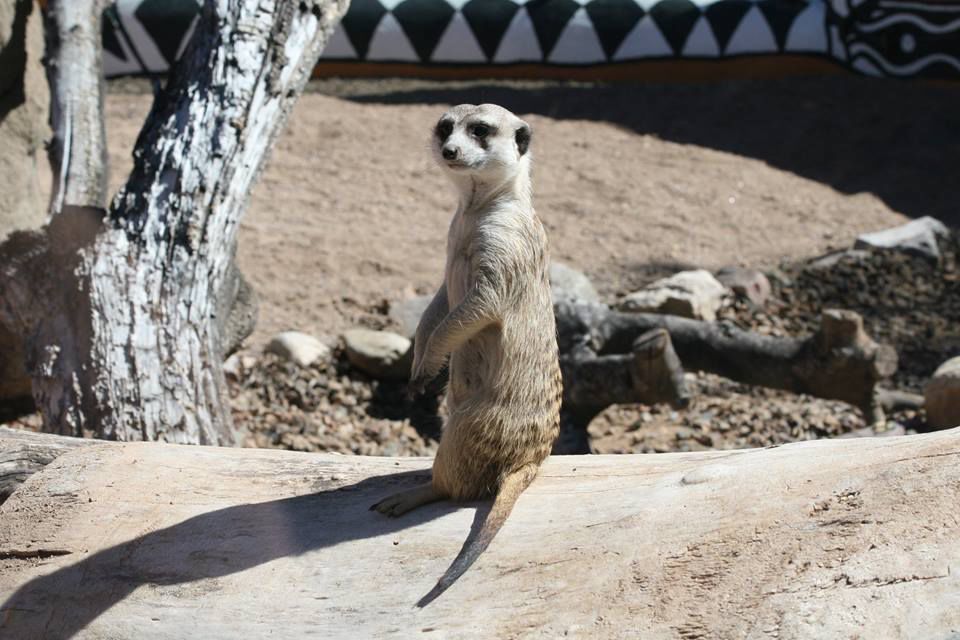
(450, 153)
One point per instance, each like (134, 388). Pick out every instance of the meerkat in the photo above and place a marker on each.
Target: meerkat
(493, 317)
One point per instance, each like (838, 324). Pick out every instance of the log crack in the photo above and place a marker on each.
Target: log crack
(848, 582)
(28, 554)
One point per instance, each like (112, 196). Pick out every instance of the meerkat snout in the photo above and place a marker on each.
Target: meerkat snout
(486, 141)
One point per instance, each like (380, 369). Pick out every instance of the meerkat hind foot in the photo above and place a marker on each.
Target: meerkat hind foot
(399, 503)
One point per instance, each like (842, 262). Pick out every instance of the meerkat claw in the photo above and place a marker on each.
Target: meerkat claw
(385, 506)
(416, 387)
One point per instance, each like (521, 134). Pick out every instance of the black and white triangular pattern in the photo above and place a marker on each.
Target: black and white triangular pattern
(878, 37)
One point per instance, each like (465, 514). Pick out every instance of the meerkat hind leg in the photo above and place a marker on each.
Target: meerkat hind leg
(399, 503)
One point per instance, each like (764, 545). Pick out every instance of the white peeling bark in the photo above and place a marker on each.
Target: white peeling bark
(139, 356)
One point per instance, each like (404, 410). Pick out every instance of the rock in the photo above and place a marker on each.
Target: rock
(918, 237)
(380, 354)
(298, 347)
(232, 367)
(942, 395)
(691, 294)
(746, 283)
(569, 284)
(406, 313)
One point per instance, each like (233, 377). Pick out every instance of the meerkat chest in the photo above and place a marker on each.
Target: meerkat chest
(460, 258)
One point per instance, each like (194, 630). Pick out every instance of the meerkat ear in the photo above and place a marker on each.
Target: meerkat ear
(522, 137)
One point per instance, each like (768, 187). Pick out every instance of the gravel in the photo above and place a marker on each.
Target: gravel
(329, 407)
(728, 415)
(907, 301)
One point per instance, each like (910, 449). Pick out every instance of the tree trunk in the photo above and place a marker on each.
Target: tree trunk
(134, 349)
(824, 539)
(78, 151)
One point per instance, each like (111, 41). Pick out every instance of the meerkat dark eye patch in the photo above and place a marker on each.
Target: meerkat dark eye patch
(444, 129)
(481, 130)
(522, 137)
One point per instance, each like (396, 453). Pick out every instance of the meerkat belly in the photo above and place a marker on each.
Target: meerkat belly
(474, 367)
(503, 414)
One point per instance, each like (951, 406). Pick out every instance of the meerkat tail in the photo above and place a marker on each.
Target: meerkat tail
(510, 489)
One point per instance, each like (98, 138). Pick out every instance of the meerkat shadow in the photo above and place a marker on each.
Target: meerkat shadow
(209, 545)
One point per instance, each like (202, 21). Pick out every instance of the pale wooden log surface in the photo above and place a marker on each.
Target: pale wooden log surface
(826, 539)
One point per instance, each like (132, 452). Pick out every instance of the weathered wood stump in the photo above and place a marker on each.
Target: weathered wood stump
(824, 539)
(650, 372)
(840, 361)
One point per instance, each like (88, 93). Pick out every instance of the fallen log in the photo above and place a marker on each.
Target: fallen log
(23, 453)
(823, 539)
(840, 361)
(649, 373)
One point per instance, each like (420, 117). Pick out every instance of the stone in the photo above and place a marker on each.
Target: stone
(746, 283)
(692, 294)
(942, 395)
(298, 347)
(232, 368)
(918, 237)
(570, 285)
(238, 364)
(406, 314)
(379, 354)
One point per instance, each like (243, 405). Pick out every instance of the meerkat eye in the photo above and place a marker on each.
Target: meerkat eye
(481, 130)
(444, 129)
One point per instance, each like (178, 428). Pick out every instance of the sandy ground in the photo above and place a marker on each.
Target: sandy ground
(631, 181)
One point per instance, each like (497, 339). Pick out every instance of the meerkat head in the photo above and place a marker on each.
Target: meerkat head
(481, 141)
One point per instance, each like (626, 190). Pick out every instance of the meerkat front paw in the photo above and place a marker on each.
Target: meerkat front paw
(422, 375)
(400, 503)
(417, 386)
